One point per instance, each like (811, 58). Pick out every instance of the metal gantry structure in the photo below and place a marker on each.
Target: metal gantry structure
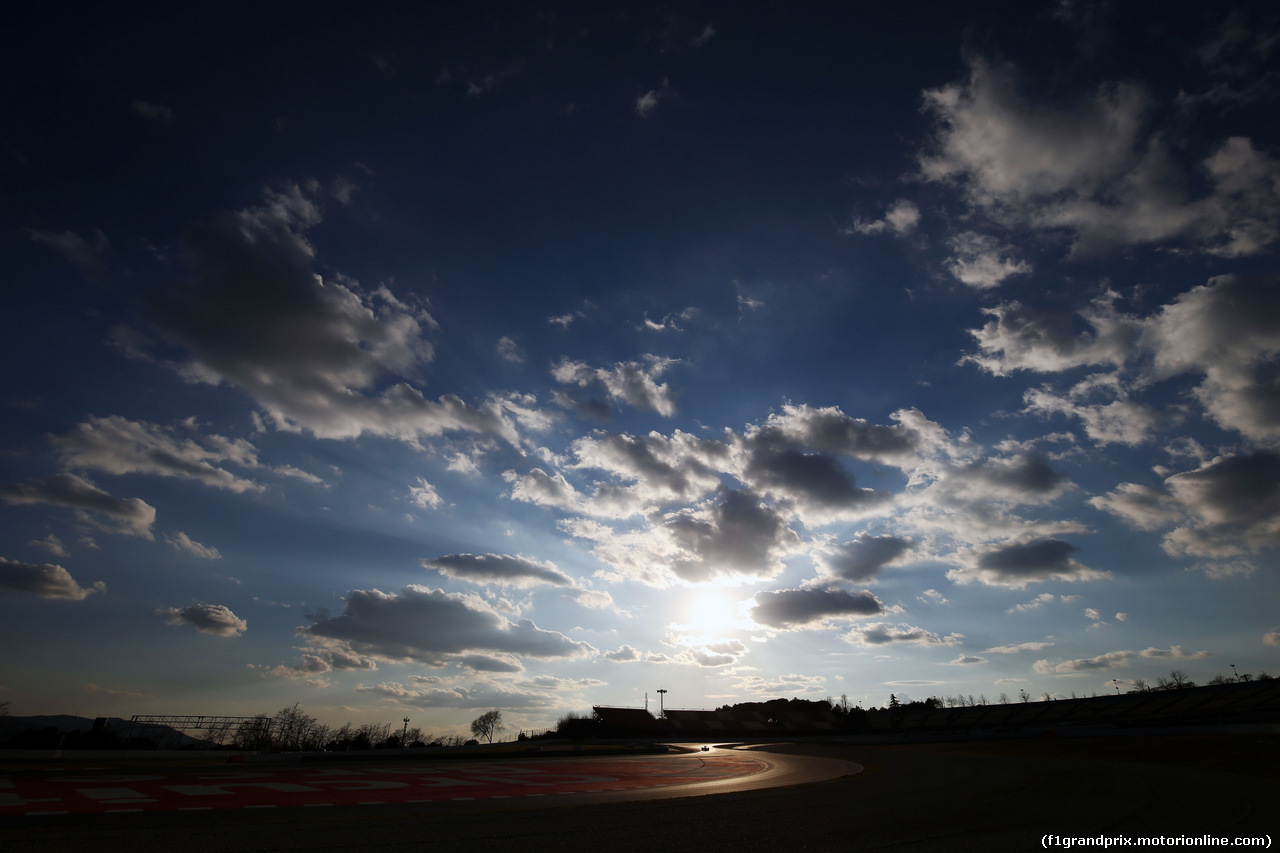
(214, 728)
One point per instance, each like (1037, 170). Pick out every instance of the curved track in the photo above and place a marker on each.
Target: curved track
(57, 791)
(905, 799)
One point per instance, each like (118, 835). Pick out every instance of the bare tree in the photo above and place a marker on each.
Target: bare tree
(487, 725)
(1176, 680)
(373, 734)
(254, 733)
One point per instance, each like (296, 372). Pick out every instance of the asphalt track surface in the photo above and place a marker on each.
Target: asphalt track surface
(868, 798)
(53, 791)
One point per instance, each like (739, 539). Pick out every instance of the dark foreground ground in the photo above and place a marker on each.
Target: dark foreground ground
(950, 797)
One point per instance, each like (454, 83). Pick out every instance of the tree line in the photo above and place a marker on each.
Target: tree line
(293, 730)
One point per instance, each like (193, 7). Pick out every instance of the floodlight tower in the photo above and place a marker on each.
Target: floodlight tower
(661, 711)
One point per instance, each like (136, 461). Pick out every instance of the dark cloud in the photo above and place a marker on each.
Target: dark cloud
(862, 558)
(214, 619)
(832, 431)
(736, 537)
(73, 247)
(45, 580)
(1226, 508)
(498, 568)
(1022, 478)
(489, 663)
(1228, 331)
(789, 607)
(1233, 502)
(1048, 556)
(131, 516)
(317, 355)
(816, 481)
(1018, 564)
(431, 626)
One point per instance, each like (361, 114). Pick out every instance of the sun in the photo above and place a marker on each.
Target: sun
(711, 612)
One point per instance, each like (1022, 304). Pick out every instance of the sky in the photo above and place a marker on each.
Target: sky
(425, 359)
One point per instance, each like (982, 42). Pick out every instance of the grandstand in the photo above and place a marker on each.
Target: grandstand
(1242, 703)
(724, 723)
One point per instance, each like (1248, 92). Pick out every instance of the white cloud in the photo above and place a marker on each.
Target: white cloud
(1141, 506)
(982, 262)
(1117, 422)
(45, 580)
(1018, 647)
(657, 470)
(831, 430)
(425, 495)
(900, 219)
(790, 684)
(967, 660)
(511, 351)
(1003, 148)
(183, 542)
(1034, 604)
(648, 102)
(1174, 653)
(1022, 337)
(442, 693)
(52, 544)
(1094, 167)
(155, 112)
(884, 633)
(539, 487)
(214, 619)
(630, 382)
(1083, 666)
(72, 246)
(117, 445)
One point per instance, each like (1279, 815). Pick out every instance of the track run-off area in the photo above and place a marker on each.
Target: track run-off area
(82, 788)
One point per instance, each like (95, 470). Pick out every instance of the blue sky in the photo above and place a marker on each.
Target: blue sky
(403, 362)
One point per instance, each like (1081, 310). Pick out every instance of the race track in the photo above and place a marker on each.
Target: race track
(44, 792)
(903, 799)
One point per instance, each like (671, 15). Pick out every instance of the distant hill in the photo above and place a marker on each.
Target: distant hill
(51, 731)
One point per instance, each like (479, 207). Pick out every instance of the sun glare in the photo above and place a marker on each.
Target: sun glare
(711, 612)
